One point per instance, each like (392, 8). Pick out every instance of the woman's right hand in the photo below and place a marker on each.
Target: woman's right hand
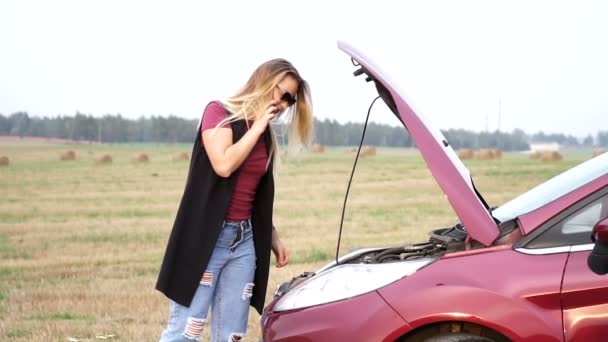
(259, 125)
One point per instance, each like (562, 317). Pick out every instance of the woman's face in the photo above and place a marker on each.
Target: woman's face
(285, 92)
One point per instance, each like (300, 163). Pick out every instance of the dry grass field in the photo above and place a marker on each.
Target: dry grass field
(81, 242)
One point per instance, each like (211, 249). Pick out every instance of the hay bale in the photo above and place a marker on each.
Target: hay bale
(181, 156)
(497, 153)
(488, 154)
(318, 148)
(140, 158)
(367, 151)
(536, 155)
(4, 161)
(104, 159)
(68, 155)
(550, 156)
(484, 154)
(465, 153)
(598, 151)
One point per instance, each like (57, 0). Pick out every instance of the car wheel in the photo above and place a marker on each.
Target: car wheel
(458, 338)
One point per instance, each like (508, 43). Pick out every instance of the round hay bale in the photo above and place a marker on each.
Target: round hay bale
(181, 156)
(465, 153)
(497, 153)
(140, 158)
(535, 155)
(4, 161)
(104, 159)
(550, 156)
(368, 151)
(350, 150)
(484, 154)
(68, 155)
(318, 148)
(598, 151)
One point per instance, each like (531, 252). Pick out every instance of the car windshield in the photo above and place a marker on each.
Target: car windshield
(554, 188)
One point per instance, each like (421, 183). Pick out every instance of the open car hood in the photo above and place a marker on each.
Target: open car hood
(449, 171)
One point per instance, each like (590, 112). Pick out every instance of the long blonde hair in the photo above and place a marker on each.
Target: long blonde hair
(250, 102)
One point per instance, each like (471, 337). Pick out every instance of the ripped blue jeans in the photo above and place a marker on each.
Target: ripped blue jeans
(226, 287)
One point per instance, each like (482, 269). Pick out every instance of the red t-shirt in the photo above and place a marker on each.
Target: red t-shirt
(249, 173)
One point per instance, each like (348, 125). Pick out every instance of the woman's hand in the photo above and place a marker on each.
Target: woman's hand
(281, 253)
(259, 125)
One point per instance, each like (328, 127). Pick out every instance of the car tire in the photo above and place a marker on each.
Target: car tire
(458, 338)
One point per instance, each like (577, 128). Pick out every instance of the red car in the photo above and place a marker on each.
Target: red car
(514, 273)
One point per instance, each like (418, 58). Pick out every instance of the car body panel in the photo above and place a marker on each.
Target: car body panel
(336, 321)
(585, 300)
(451, 289)
(450, 173)
(532, 220)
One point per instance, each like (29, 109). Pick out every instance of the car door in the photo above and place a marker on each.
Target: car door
(584, 300)
(584, 293)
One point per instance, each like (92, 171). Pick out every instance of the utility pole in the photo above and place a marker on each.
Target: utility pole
(499, 112)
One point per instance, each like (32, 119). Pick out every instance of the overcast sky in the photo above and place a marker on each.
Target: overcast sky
(533, 65)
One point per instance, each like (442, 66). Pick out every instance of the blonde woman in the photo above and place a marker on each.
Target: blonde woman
(218, 254)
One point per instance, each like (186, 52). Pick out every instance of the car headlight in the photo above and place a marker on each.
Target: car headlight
(345, 281)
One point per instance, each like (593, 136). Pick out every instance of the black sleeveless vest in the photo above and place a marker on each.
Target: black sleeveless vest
(199, 218)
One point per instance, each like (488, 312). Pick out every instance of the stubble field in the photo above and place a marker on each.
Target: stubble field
(81, 243)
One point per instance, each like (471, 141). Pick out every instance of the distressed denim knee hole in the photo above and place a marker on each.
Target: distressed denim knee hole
(207, 279)
(248, 291)
(194, 328)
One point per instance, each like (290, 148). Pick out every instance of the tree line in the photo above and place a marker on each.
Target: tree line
(172, 129)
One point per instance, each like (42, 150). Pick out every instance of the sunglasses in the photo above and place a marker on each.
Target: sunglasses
(287, 97)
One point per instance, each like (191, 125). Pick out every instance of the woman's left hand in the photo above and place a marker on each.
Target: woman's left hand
(281, 254)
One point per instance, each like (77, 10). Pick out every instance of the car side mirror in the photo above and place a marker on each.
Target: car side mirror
(598, 259)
